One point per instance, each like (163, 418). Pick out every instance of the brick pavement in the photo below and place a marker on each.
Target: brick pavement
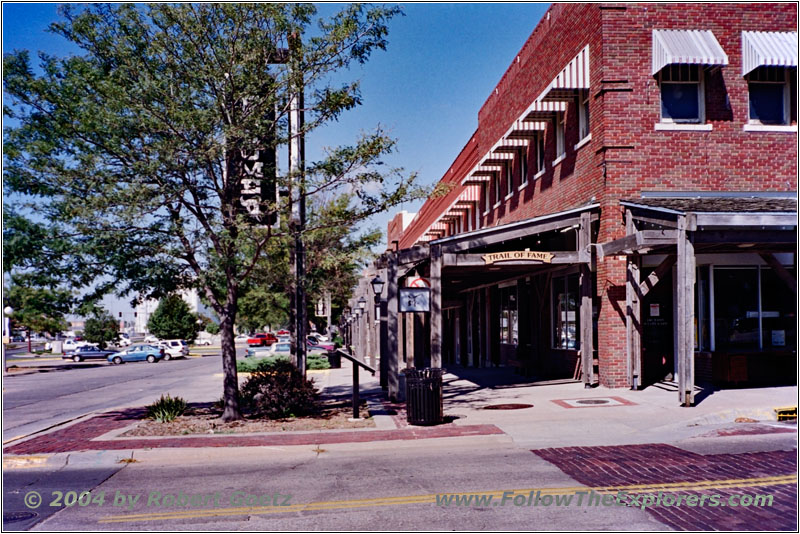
(83, 436)
(660, 463)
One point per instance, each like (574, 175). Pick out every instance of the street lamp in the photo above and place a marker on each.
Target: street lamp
(362, 304)
(377, 288)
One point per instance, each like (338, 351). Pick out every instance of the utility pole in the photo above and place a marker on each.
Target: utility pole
(298, 218)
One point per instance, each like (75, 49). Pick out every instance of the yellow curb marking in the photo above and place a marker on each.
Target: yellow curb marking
(22, 462)
(431, 498)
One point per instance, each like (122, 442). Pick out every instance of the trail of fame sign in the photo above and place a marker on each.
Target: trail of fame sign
(518, 255)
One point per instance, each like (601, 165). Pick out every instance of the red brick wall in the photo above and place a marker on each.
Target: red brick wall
(626, 155)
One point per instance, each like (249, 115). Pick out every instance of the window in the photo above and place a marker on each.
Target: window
(753, 310)
(509, 172)
(566, 319)
(539, 145)
(523, 166)
(769, 94)
(561, 119)
(681, 94)
(496, 185)
(583, 113)
(509, 318)
(485, 196)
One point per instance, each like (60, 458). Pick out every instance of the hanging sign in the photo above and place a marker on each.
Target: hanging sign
(518, 255)
(418, 282)
(415, 299)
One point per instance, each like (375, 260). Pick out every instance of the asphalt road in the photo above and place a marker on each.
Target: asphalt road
(66, 390)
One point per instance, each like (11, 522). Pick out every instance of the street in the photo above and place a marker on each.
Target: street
(33, 402)
(463, 476)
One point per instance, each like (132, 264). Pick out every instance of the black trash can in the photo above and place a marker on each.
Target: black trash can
(335, 359)
(424, 396)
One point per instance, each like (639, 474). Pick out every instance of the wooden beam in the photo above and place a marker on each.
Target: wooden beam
(436, 306)
(413, 254)
(685, 315)
(650, 282)
(747, 219)
(769, 237)
(392, 333)
(587, 330)
(476, 260)
(613, 248)
(516, 232)
(781, 271)
(633, 325)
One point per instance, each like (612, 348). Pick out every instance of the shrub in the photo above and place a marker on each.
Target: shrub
(278, 390)
(259, 364)
(166, 409)
(317, 361)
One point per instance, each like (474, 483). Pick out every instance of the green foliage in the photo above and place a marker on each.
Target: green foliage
(209, 325)
(166, 409)
(251, 365)
(38, 309)
(136, 150)
(317, 361)
(101, 328)
(173, 319)
(279, 391)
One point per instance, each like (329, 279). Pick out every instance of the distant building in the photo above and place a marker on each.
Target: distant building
(146, 308)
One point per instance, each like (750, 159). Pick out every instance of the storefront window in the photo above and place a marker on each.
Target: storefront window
(736, 308)
(509, 318)
(778, 312)
(566, 324)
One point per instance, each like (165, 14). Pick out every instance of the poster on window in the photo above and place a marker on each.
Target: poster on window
(415, 299)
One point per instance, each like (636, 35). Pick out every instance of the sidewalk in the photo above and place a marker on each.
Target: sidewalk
(541, 416)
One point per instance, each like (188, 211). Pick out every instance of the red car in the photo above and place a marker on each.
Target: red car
(283, 332)
(261, 340)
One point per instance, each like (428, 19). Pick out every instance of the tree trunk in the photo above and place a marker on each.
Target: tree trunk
(231, 379)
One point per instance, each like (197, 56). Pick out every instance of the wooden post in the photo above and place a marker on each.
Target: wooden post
(587, 341)
(685, 315)
(633, 311)
(392, 345)
(436, 307)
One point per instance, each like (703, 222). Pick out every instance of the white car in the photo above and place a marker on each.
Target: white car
(70, 345)
(124, 341)
(174, 348)
(203, 341)
(151, 339)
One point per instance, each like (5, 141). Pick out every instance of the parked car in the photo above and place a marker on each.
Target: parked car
(284, 338)
(174, 348)
(73, 343)
(151, 339)
(283, 332)
(203, 341)
(277, 349)
(124, 340)
(260, 340)
(87, 352)
(320, 346)
(316, 339)
(138, 353)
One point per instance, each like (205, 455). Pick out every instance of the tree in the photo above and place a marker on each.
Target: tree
(38, 309)
(101, 328)
(159, 125)
(173, 319)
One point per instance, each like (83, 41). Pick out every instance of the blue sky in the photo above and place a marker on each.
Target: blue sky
(442, 61)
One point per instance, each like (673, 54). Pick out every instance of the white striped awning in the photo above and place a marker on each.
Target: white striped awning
(543, 110)
(575, 76)
(510, 144)
(768, 49)
(526, 129)
(686, 47)
(497, 158)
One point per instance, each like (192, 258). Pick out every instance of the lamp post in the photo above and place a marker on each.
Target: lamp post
(381, 321)
(377, 288)
(8, 310)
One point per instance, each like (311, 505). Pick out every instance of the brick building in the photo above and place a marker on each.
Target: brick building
(625, 212)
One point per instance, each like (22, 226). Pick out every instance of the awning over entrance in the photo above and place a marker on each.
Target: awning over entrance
(761, 49)
(680, 228)
(688, 47)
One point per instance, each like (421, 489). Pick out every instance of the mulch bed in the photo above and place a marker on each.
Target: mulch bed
(204, 419)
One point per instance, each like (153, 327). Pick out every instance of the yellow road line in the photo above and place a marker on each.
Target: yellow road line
(431, 498)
